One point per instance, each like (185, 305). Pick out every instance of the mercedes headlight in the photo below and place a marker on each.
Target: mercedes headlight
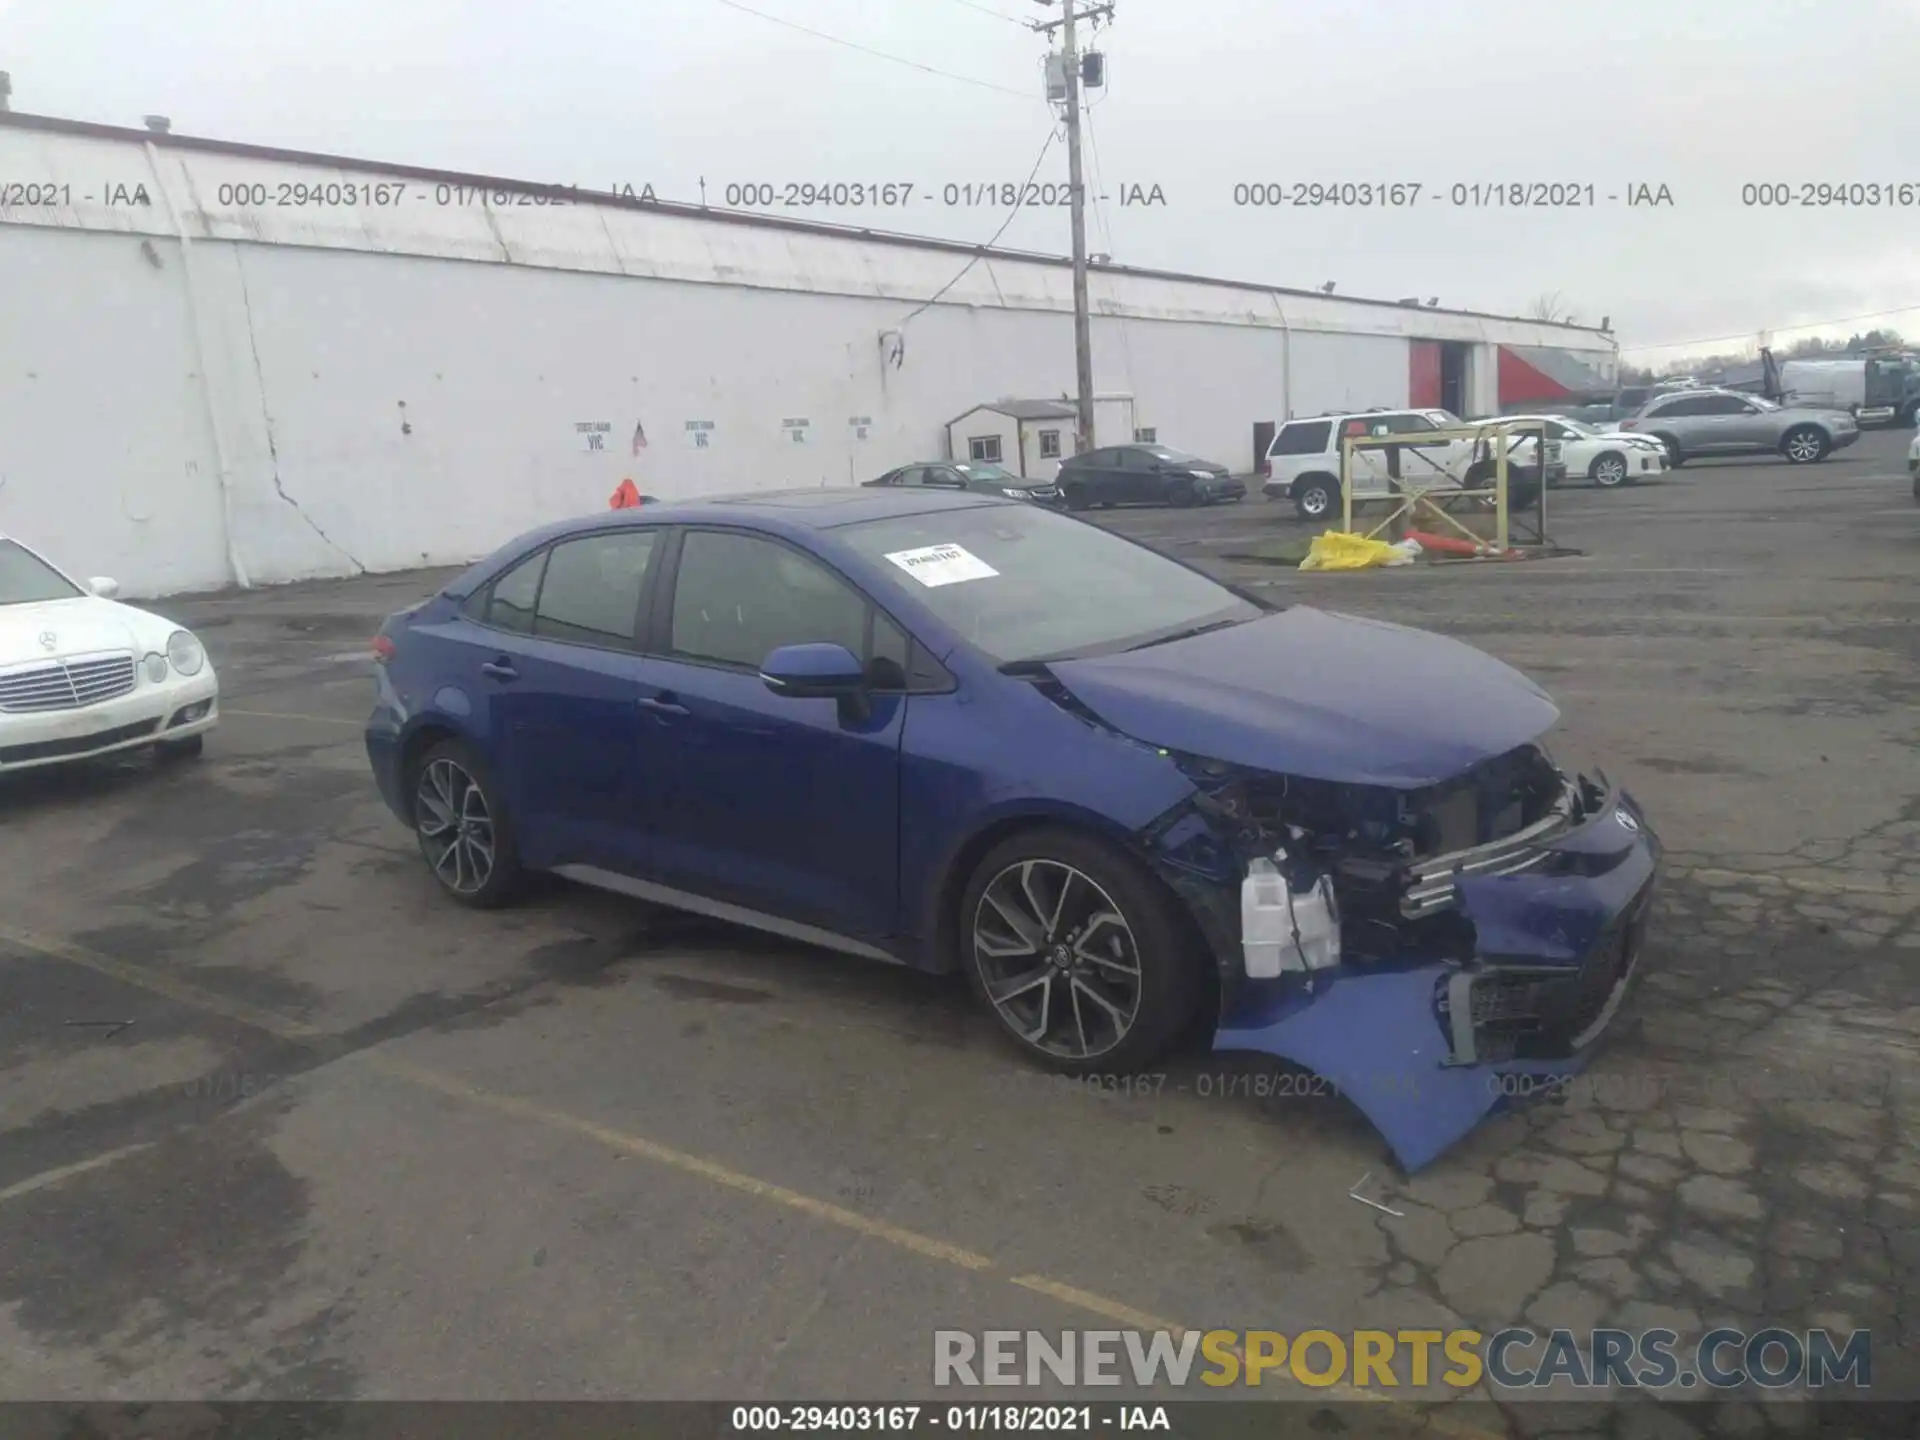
(155, 665)
(185, 653)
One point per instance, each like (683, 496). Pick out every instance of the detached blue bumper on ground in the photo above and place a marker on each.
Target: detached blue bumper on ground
(1427, 1049)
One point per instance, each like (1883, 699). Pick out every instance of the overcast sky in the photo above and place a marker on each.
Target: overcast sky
(1701, 96)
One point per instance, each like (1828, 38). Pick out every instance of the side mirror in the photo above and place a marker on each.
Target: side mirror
(103, 586)
(813, 672)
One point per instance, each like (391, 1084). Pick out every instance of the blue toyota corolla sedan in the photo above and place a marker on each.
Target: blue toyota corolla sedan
(963, 733)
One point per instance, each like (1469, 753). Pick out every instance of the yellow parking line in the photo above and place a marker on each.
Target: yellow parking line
(283, 715)
(683, 1161)
(65, 1172)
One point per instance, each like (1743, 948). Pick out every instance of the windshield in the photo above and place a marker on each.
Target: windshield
(1025, 583)
(975, 471)
(1763, 403)
(1578, 427)
(26, 578)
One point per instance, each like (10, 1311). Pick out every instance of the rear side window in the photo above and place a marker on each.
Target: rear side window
(510, 600)
(1309, 438)
(591, 595)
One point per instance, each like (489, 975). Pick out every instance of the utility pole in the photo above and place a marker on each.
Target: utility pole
(1077, 200)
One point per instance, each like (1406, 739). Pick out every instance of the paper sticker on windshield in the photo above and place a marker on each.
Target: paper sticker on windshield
(942, 564)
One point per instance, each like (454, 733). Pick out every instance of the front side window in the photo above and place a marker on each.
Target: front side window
(591, 595)
(738, 598)
(26, 579)
(1022, 582)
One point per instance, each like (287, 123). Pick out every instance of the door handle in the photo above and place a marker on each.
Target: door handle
(500, 670)
(661, 705)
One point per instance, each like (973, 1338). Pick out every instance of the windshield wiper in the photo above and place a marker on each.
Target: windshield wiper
(1186, 634)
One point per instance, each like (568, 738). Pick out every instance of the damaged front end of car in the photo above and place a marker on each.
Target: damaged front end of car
(1432, 951)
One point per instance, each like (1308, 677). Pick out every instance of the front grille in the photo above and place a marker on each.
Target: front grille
(66, 684)
(77, 745)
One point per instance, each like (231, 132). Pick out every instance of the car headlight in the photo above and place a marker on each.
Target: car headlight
(1201, 474)
(185, 653)
(155, 665)
(1013, 494)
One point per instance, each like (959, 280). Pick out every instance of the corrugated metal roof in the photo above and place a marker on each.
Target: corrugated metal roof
(835, 267)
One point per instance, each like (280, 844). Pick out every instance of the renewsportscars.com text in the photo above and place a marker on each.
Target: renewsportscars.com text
(1514, 1358)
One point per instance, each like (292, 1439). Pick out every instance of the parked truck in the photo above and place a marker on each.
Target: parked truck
(1880, 389)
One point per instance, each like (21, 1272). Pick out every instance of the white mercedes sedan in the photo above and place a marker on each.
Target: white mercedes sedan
(83, 675)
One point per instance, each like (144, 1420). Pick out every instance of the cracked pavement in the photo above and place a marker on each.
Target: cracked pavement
(359, 1144)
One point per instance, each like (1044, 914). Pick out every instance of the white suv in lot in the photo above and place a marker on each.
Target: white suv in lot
(1303, 461)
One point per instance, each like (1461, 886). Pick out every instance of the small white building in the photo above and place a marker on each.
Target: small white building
(1032, 437)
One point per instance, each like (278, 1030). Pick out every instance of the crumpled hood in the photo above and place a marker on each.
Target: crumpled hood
(1318, 695)
(79, 626)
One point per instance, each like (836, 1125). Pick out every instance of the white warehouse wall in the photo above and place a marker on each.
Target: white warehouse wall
(191, 392)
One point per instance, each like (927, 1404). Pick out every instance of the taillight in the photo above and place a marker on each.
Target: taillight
(383, 650)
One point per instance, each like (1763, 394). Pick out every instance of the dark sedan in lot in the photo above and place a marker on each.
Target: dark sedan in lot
(971, 476)
(964, 733)
(1144, 475)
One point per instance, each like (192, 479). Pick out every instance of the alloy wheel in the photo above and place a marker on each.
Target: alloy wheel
(1609, 471)
(1057, 959)
(455, 826)
(1803, 447)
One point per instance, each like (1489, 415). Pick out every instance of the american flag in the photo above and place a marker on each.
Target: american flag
(639, 437)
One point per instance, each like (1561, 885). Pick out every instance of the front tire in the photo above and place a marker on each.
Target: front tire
(462, 828)
(1804, 445)
(1316, 497)
(1182, 495)
(168, 752)
(1608, 471)
(1075, 495)
(1079, 953)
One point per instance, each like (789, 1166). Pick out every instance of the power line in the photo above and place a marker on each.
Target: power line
(996, 14)
(1749, 334)
(1018, 205)
(868, 50)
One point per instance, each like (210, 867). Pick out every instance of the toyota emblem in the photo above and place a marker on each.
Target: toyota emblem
(1626, 820)
(49, 640)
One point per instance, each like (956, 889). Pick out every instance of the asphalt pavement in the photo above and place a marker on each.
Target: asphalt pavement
(280, 1122)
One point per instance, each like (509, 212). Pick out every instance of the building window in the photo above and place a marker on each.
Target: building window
(1148, 436)
(984, 449)
(1049, 444)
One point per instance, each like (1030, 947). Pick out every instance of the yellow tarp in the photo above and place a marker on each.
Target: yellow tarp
(1340, 550)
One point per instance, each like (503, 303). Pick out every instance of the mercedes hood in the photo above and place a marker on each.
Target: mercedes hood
(1318, 695)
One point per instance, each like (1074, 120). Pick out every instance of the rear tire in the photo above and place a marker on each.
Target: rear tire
(1079, 953)
(462, 827)
(1316, 497)
(1675, 459)
(1804, 445)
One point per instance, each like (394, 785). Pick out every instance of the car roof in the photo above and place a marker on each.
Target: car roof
(775, 512)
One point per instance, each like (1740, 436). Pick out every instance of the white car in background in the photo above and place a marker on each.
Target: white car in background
(83, 675)
(1607, 458)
